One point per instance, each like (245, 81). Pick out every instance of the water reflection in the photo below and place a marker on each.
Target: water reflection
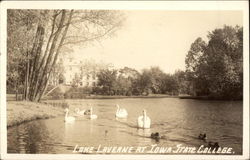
(25, 138)
(179, 121)
(144, 136)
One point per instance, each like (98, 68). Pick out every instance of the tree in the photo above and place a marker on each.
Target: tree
(184, 86)
(216, 68)
(224, 62)
(126, 80)
(48, 34)
(194, 64)
(107, 79)
(193, 58)
(144, 82)
(20, 31)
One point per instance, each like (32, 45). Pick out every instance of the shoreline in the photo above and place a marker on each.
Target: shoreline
(149, 96)
(208, 98)
(113, 97)
(123, 97)
(19, 112)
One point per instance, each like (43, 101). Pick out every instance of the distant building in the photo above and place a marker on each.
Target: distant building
(76, 73)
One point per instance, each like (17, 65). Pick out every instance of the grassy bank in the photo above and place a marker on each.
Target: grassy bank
(23, 111)
(119, 97)
(92, 96)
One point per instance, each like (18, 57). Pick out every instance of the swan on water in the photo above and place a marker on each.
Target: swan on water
(68, 118)
(144, 121)
(79, 112)
(92, 116)
(121, 112)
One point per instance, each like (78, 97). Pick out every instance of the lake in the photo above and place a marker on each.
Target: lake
(180, 121)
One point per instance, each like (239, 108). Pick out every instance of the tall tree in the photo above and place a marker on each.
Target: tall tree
(52, 31)
(224, 62)
(107, 79)
(217, 70)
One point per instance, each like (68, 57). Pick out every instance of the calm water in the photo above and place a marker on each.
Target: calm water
(179, 120)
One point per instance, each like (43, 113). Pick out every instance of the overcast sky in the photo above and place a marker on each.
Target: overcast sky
(158, 38)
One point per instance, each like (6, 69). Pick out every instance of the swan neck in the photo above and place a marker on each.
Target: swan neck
(118, 109)
(144, 118)
(66, 115)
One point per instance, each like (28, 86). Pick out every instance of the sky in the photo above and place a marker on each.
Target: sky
(157, 38)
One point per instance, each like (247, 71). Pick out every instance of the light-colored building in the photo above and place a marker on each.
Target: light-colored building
(79, 74)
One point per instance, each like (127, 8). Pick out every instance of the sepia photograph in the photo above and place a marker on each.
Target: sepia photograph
(95, 81)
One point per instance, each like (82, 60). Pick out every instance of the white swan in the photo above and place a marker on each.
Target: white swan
(68, 118)
(79, 112)
(144, 121)
(92, 116)
(121, 112)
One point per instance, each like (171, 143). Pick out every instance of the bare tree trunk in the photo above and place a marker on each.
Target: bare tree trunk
(26, 83)
(40, 66)
(57, 53)
(26, 86)
(37, 54)
(42, 79)
(16, 90)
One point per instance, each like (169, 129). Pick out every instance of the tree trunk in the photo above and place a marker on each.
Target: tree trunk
(41, 65)
(36, 53)
(42, 80)
(16, 91)
(26, 86)
(57, 53)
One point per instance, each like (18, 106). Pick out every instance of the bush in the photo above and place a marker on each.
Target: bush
(74, 95)
(78, 92)
(129, 93)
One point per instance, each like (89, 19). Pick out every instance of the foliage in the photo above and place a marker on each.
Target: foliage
(128, 81)
(217, 70)
(107, 79)
(37, 37)
(77, 92)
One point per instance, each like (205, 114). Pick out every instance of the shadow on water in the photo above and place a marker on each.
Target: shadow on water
(177, 121)
(27, 136)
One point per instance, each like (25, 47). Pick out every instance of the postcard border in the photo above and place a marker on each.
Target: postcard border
(124, 5)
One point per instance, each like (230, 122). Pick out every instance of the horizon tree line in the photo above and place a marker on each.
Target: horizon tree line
(36, 38)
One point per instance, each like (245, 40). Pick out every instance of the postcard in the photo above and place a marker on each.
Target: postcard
(124, 80)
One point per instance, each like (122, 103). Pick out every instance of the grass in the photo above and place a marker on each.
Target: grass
(23, 111)
(133, 96)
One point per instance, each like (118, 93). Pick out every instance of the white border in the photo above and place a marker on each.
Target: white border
(124, 5)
